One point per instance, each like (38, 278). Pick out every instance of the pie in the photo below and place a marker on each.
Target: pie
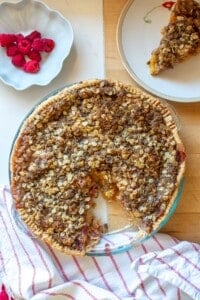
(180, 38)
(96, 136)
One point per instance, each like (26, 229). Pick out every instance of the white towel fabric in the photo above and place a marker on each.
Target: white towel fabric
(161, 268)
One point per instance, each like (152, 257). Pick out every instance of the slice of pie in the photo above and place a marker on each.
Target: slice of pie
(97, 136)
(180, 38)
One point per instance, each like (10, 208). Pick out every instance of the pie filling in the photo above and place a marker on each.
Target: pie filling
(96, 136)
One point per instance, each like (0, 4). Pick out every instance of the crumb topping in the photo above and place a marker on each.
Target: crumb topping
(180, 38)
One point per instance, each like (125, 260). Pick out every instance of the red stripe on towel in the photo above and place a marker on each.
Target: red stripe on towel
(177, 273)
(196, 249)
(36, 246)
(157, 242)
(15, 255)
(45, 264)
(120, 274)
(186, 259)
(21, 244)
(62, 272)
(102, 275)
(79, 268)
(107, 240)
(142, 284)
(129, 255)
(158, 282)
(178, 253)
(157, 279)
(178, 294)
(144, 249)
(58, 294)
(86, 290)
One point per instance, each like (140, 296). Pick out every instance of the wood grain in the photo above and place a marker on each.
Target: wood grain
(185, 223)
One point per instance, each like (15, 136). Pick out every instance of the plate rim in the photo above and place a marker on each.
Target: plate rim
(131, 71)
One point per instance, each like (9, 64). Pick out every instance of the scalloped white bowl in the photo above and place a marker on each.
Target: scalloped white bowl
(24, 17)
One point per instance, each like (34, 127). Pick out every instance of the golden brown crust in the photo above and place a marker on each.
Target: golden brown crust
(180, 38)
(95, 135)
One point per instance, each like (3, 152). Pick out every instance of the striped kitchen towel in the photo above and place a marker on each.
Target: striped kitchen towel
(160, 268)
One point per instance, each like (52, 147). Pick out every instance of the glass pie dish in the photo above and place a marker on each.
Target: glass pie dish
(119, 238)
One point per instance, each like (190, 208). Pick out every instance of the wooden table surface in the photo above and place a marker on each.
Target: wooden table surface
(185, 223)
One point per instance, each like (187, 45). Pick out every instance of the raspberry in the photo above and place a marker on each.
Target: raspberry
(6, 39)
(48, 45)
(12, 50)
(24, 46)
(38, 45)
(18, 60)
(34, 55)
(33, 35)
(44, 44)
(19, 37)
(31, 66)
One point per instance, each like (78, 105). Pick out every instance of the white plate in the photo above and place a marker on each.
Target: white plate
(24, 17)
(139, 32)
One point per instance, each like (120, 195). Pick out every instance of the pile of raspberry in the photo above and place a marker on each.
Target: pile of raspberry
(25, 50)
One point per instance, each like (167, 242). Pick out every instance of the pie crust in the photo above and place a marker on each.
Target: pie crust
(95, 136)
(180, 38)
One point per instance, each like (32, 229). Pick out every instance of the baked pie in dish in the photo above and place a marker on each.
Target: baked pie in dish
(95, 137)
